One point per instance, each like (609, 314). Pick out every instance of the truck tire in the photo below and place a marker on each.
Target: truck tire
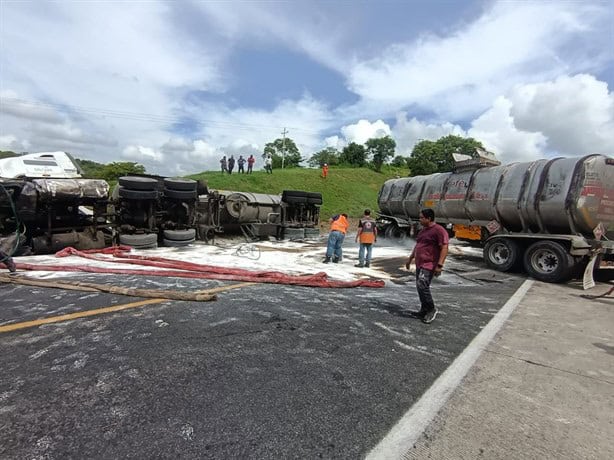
(180, 235)
(180, 184)
(548, 261)
(138, 183)
(502, 254)
(177, 244)
(139, 240)
(294, 196)
(184, 195)
(314, 198)
(137, 194)
(394, 232)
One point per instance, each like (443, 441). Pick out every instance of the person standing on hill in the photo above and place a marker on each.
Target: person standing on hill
(338, 228)
(430, 254)
(268, 164)
(231, 164)
(250, 164)
(240, 163)
(325, 170)
(223, 164)
(367, 235)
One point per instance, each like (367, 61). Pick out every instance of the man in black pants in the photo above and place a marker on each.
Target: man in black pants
(430, 254)
(7, 261)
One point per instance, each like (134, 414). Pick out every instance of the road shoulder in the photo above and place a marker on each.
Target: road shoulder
(542, 389)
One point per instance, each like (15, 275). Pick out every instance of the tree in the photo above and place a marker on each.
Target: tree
(429, 157)
(329, 155)
(114, 171)
(109, 172)
(380, 149)
(7, 154)
(399, 161)
(285, 148)
(353, 154)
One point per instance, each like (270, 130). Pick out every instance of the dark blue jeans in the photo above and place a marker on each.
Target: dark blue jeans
(423, 286)
(333, 247)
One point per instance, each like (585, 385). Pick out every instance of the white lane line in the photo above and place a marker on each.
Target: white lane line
(406, 432)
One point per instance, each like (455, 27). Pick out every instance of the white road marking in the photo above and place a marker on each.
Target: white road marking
(406, 432)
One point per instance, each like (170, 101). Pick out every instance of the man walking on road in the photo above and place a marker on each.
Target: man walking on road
(430, 254)
(367, 235)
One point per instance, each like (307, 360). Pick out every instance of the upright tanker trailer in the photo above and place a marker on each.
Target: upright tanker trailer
(548, 216)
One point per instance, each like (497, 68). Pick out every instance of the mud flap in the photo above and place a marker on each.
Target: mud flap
(587, 280)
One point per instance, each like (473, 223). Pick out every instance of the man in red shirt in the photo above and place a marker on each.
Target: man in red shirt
(430, 254)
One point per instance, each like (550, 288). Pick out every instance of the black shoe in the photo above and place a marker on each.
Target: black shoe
(336, 260)
(359, 265)
(326, 260)
(430, 316)
(368, 264)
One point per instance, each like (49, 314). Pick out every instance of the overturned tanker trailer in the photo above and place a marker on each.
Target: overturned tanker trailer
(45, 205)
(153, 210)
(547, 216)
(291, 215)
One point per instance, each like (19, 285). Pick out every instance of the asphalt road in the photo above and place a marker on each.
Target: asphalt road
(265, 371)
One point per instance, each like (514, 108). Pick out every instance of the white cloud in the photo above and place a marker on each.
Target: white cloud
(460, 74)
(408, 133)
(142, 155)
(575, 114)
(10, 142)
(363, 130)
(112, 82)
(569, 116)
(498, 133)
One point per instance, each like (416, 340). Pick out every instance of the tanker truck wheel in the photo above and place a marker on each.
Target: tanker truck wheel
(138, 183)
(548, 261)
(139, 241)
(501, 254)
(393, 232)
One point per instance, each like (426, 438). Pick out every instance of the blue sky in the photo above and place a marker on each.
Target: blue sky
(174, 85)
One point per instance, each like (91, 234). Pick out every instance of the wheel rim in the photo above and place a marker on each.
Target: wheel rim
(499, 254)
(544, 261)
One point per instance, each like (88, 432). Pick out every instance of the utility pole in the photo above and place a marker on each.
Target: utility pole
(283, 147)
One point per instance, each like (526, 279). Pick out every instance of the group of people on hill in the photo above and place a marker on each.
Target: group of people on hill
(429, 253)
(228, 165)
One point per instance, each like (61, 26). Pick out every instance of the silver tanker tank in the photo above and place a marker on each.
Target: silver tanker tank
(244, 207)
(557, 196)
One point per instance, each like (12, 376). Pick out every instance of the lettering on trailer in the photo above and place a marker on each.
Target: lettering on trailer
(458, 183)
(479, 196)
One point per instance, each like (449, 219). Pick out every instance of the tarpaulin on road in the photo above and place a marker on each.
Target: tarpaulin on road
(181, 269)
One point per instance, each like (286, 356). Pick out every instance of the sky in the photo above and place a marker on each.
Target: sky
(175, 85)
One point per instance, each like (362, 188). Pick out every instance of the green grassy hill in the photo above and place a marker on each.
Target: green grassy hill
(348, 190)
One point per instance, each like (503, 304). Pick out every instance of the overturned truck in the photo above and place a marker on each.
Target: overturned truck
(546, 216)
(45, 205)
